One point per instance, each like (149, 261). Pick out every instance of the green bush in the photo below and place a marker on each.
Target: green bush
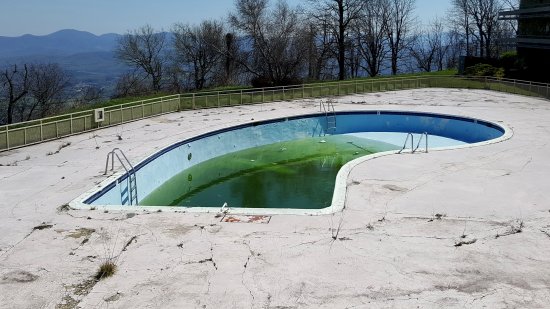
(483, 69)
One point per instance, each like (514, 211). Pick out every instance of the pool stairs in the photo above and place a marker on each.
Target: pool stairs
(128, 194)
(330, 115)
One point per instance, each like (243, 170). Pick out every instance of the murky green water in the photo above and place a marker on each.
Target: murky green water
(295, 174)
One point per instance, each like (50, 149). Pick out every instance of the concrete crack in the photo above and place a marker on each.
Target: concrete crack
(250, 255)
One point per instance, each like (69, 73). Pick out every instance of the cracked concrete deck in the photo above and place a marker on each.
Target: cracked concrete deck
(457, 228)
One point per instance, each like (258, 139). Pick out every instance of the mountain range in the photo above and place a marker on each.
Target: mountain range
(87, 57)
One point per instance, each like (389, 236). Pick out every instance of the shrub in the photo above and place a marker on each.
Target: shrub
(483, 69)
(107, 269)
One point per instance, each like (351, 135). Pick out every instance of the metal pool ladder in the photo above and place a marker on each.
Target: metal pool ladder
(130, 193)
(330, 115)
(423, 135)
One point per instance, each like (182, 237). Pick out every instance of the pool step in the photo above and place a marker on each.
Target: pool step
(128, 194)
(330, 115)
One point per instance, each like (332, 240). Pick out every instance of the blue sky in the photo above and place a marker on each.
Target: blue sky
(41, 17)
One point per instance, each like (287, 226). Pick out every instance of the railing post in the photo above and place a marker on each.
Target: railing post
(42, 129)
(263, 95)
(338, 88)
(303, 91)
(8, 137)
(193, 101)
(179, 102)
(283, 93)
(25, 136)
(56, 130)
(241, 98)
(219, 104)
(121, 114)
(70, 124)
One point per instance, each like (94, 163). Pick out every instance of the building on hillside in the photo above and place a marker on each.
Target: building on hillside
(533, 37)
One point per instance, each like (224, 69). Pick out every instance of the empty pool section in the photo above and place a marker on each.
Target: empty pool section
(292, 165)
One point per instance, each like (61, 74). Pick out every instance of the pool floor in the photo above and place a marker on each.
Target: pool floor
(295, 174)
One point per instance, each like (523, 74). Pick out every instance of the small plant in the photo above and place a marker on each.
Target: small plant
(465, 242)
(515, 228)
(106, 269)
(67, 144)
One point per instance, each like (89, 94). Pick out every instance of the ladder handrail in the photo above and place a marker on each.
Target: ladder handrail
(129, 171)
(405, 144)
(111, 154)
(414, 149)
(420, 140)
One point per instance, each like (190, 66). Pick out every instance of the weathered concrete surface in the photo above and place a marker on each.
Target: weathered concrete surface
(394, 245)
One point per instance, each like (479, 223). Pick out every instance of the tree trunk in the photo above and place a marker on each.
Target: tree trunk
(341, 42)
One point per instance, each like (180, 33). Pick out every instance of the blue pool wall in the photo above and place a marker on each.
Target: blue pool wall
(168, 162)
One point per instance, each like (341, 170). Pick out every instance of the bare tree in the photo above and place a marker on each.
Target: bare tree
(130, 84)
(276, 39)
(438, 41)
(230, 63)
(88, 95)
(401, 22)
(455, 45)
(16, 85)
(371, 31)
(199, 48)
(144, 49)
(340, 14)
(47, 84)
(320, 49)
(479, 20)
(423, 50)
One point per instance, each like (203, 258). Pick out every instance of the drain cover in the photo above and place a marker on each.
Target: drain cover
(246, 219)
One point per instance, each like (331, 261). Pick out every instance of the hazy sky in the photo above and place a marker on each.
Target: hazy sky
(41, 17)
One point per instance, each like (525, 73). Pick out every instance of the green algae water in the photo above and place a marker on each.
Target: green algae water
(295, 174)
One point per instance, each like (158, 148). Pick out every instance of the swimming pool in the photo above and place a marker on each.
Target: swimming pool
(230, 159)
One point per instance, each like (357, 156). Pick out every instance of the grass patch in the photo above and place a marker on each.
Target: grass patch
(106, 270)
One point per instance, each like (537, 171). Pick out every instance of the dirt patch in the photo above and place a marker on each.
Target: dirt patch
(19, 276)
(81, 232)
(178, 230)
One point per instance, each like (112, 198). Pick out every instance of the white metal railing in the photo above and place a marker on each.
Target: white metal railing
(45, 129)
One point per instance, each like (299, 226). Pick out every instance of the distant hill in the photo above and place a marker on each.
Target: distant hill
(60, 43)
(89, 58)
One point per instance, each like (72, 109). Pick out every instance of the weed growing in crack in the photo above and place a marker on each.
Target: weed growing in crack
(335, 231)
(515, 228)
(106, 269)
(465, 242)
(437, 217)
(67, 144)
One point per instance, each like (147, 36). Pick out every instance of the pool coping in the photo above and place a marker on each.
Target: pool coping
(340, 186)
